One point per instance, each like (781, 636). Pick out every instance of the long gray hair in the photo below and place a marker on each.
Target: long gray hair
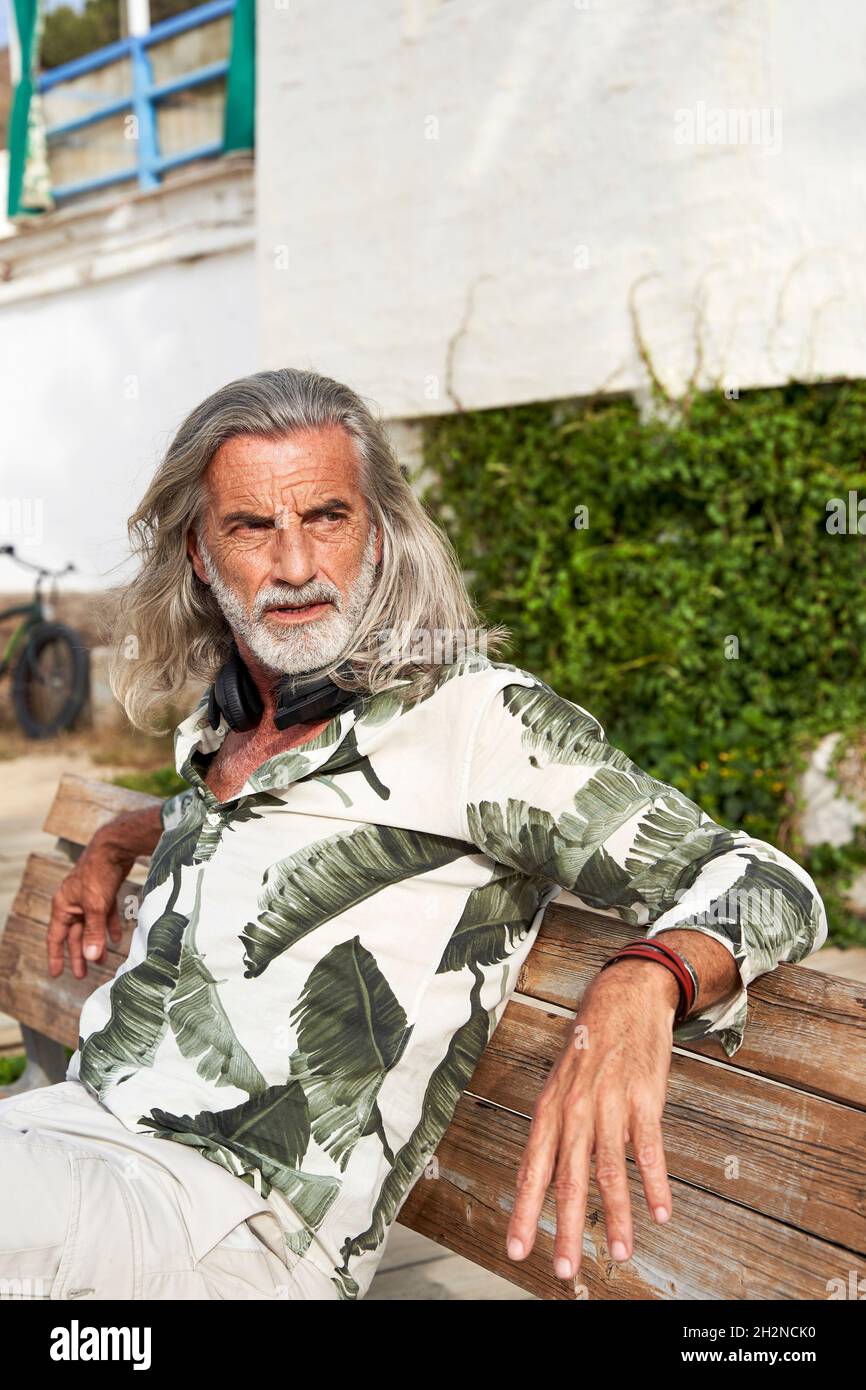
(167, 626)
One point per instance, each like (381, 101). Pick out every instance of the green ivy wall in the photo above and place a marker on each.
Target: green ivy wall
(704, 612)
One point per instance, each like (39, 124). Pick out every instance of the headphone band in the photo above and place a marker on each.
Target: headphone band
(311, 699)
(235, 697)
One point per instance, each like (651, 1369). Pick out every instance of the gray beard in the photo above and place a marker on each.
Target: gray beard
(306, 646)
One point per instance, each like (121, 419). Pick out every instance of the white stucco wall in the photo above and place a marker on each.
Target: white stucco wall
(113, 326)
(496, 262)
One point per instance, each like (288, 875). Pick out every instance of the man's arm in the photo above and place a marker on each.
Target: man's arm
(84, 907)
(544, 792)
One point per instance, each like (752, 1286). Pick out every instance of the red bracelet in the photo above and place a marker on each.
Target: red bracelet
(652, 949)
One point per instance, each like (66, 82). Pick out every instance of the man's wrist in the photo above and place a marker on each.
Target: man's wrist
(105, 845)
(654, 980)
(123, 840)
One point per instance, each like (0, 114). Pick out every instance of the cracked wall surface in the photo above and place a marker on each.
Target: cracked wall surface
(471, 204)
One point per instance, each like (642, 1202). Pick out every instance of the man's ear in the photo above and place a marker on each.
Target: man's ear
(195, 558)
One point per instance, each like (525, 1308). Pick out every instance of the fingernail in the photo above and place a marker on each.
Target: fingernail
(563, 1268)
(91, 952)
(661, 1213)
(515, 1249)
(618, 1251)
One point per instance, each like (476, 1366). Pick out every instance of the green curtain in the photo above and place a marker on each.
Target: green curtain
(29, 176)
(240, 113)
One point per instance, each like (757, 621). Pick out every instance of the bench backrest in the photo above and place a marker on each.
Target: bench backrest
(766, 1152)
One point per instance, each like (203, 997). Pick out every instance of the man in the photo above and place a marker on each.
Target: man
(338, 907)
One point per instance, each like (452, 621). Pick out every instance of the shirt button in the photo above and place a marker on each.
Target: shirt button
(212, 818)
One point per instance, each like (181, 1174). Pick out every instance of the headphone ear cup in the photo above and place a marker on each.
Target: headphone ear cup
(214, 712)
(250, 697)
(237, 696)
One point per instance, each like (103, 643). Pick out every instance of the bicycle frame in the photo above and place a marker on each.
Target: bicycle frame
(32, 613)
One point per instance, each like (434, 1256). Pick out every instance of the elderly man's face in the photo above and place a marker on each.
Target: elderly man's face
(287, 545)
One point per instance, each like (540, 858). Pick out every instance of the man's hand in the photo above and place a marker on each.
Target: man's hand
(84, 908)
(607, 1088)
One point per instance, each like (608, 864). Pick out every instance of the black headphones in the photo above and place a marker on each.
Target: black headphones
(235, 696)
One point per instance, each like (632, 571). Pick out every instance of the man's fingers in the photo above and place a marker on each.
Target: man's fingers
(114, 927)
(63, 916)
(95, 933)
(611, 1177)
(533, 1179)
(83, 920)
(73, 943)
(649, 1154)
(571, 1186)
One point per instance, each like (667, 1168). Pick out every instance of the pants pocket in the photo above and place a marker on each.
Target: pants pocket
(102, 1254)
(37, 1206)
(232, 1272)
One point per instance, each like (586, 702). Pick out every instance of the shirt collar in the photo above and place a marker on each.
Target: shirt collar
(195, 741)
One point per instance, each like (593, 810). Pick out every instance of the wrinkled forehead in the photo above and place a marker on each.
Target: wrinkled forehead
(293, 473)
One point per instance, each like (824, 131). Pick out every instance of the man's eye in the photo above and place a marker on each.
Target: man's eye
(332, 516)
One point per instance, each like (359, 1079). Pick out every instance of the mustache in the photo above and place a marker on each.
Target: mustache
(287, 596)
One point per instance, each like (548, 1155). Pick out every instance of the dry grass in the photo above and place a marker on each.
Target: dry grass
(126, 748)
(123, 747)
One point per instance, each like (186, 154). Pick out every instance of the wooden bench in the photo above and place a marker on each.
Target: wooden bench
(766, 1152)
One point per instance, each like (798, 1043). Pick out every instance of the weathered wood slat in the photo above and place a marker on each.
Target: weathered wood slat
(804, 1028)
(710, 1248)
(82, 805)
(792, 1156)
(51, 1005)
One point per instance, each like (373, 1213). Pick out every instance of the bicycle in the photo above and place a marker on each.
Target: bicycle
(51, 675)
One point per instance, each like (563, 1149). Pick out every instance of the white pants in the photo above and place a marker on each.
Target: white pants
(74, 1226)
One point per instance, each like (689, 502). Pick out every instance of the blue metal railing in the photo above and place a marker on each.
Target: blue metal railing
(141, 100)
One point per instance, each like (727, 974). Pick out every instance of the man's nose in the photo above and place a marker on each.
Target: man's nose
(293, 555)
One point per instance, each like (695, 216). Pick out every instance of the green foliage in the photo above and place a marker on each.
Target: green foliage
(706, 529)
(162, 781)
(11, 1069)
(71, 33)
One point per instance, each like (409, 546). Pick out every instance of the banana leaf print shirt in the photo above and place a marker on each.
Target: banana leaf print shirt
(319, 962)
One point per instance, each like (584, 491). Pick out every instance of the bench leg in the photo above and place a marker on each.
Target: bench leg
(46, 1063)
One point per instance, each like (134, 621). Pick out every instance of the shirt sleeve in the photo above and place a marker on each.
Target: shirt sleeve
(544, 792)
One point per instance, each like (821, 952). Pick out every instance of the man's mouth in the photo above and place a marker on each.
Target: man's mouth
(298, 612)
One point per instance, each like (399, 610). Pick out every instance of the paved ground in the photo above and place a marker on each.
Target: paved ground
(413, 1267)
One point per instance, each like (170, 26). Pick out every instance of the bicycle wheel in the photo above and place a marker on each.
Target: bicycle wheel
(50, 680)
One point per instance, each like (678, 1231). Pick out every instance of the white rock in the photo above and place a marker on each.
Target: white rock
(829, 817)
